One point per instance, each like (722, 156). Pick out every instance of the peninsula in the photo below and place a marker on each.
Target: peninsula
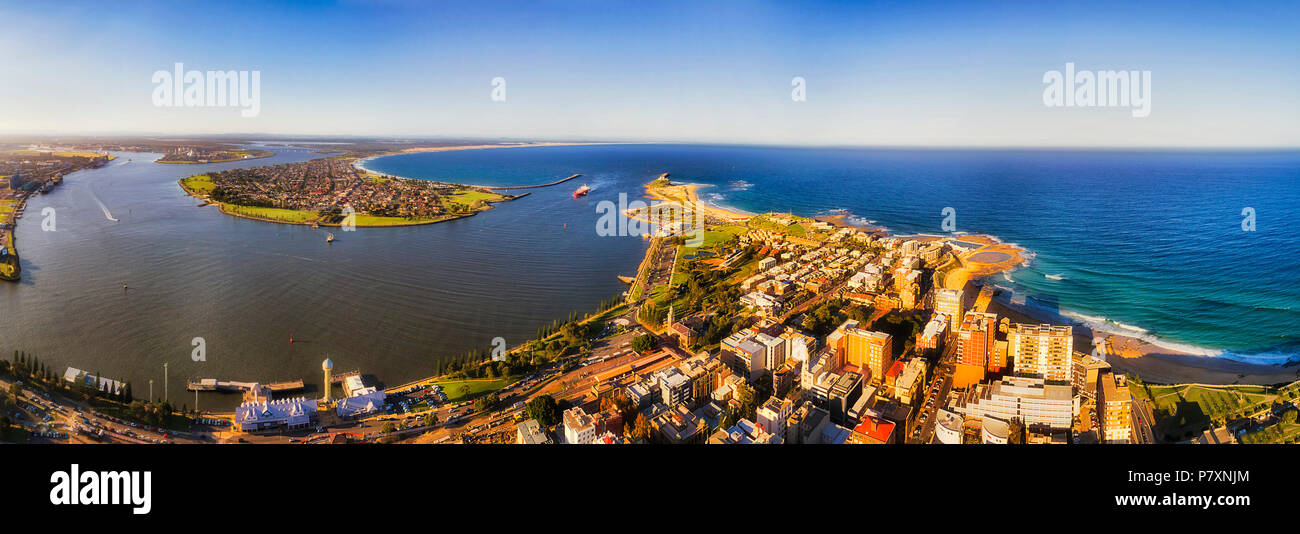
(197, 155)
(324, 192)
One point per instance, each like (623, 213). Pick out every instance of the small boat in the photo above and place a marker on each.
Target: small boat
(581, 191)
(329, 238)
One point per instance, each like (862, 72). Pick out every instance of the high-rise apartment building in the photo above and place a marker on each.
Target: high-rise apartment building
(949, 303)
(975, 345)
(1115, 406)
(1046, 351)
(869, 350)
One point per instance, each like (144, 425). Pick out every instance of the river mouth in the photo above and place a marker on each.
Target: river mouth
(120, 298)
(394, 302)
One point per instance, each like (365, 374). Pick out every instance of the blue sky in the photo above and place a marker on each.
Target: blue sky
(889, 73)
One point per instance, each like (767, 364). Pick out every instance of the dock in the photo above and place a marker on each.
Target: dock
(212, 384)
(340, 377)
(557, 182)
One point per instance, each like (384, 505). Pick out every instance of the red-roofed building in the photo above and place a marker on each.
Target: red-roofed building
(891, 376)
(684, 334)
(872, 431)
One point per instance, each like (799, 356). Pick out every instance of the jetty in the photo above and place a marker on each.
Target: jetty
(340, 377)
(212, 384)
(557, 182)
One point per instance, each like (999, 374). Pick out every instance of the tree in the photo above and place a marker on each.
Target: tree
(1016, 432)
(430, 418)
(747, 400)
(643, 343)
(488, 402)
(619, 403)
(388, 427)
(544, 409)
(641, 429)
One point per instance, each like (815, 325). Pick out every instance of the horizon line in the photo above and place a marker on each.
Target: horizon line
(437, 137)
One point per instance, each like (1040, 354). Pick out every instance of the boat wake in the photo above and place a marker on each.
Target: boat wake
(107, 215)
(1053, 277)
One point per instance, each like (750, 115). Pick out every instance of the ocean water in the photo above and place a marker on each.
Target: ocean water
(1146, 243)
(1150, 241)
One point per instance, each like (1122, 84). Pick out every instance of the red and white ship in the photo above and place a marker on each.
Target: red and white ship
(581, 191)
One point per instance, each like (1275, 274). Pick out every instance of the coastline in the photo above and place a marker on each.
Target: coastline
(1152, 359)
(1154, 362)
(225, 208)
(687, 194)
(360, 163)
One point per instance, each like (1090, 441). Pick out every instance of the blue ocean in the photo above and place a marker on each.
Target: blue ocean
(1154, 244)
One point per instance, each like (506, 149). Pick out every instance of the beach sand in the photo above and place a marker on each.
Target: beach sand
(1155, 364)
(685, 194)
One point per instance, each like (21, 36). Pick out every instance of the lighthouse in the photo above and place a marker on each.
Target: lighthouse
(326, 366)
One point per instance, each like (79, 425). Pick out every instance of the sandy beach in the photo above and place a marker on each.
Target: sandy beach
(686, 194)
(1153, 363)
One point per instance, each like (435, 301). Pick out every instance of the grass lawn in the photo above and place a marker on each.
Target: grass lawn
(720, 235)
(469, 196)
(452, 388)
(277, 214)
(1277, 433)
(767, 222)
(201, 184)
(1183, 409)
(379, 220)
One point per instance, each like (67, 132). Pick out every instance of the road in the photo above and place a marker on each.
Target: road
(936, 394)
(67, 415)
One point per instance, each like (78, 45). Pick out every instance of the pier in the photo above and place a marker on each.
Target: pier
(340, 377)
(557, 182)
(212, 384)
